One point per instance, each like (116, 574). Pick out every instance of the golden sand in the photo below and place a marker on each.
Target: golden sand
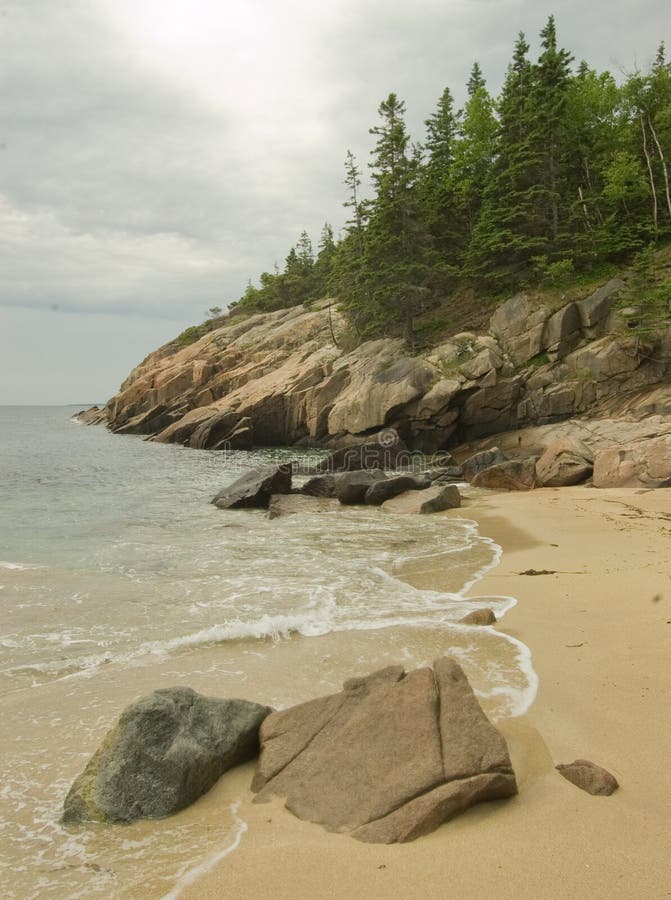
(599, 628)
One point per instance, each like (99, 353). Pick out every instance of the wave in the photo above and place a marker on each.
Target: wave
(19, 567)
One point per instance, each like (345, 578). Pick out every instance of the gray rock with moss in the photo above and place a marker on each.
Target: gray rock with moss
(167, 749)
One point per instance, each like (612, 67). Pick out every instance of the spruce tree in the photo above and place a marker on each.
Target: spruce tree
(437, 192)
(346, 279)
(549, 130)
(396, 246)
(508, 232)
(474, 150)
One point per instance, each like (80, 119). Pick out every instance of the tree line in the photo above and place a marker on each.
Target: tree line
(564, 171)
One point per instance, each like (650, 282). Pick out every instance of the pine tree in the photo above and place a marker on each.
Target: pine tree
(549, 131)
(476, 80)
(396, 239)
(522, 222)
(474, 150)
(508, 233)
(437, 192)
(347, 268)
(304, 253)
(323, 267)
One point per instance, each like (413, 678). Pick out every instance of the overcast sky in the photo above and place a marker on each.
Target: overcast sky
(156, 154)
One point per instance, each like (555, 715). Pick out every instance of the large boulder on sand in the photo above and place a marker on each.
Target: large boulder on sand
(564, 462)
(512, 475)
(254, 489)
(166, 750)
(447, 498)
(389, 758)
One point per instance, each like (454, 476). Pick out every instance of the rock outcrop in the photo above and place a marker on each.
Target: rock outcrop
(635, 453)
(279, 379)
(166, 750)
(641, 463)
(389, 758)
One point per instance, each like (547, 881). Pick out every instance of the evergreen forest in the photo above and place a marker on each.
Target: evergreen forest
(563, 174)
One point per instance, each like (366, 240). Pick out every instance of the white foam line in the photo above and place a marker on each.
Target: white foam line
(20, 567)
(192, 875)
(526, 697)
(480, 574)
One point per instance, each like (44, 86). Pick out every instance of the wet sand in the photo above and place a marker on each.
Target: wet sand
(599, 628)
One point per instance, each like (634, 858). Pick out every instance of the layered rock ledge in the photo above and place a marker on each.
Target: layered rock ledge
(278, 379)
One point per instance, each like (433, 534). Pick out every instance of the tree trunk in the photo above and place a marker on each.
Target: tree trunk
(650, 174)
(663, 161)
(584, 208)
(597, 208)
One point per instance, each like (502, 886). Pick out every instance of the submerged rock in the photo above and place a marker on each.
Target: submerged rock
(479, 617)
(254, 489)
(588, 776)
(391, 487)
(387, 759)
(166, 750)
(282, 505)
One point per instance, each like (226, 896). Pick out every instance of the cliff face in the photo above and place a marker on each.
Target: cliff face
(279, 379)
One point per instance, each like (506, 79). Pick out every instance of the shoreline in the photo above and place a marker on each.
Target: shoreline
(599, 630)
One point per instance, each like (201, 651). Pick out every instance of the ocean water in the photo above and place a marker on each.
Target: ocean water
(117, 576)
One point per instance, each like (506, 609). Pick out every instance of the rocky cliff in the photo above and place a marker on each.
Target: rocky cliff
(281, 379)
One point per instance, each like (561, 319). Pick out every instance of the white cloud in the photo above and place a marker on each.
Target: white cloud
(155, 154)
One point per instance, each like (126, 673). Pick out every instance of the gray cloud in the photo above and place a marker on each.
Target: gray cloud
(155, 155)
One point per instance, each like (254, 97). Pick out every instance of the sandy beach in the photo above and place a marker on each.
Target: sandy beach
(599, 628)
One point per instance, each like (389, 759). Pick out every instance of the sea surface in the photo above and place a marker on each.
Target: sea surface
(117, 576)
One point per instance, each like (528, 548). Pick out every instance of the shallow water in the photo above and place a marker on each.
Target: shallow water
(117, 577)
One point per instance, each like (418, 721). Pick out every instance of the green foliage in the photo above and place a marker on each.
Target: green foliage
(553, 273)
(647, 299)
(191, 335)
(565, 174)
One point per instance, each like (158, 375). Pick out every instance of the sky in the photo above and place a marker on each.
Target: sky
(157, 154)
